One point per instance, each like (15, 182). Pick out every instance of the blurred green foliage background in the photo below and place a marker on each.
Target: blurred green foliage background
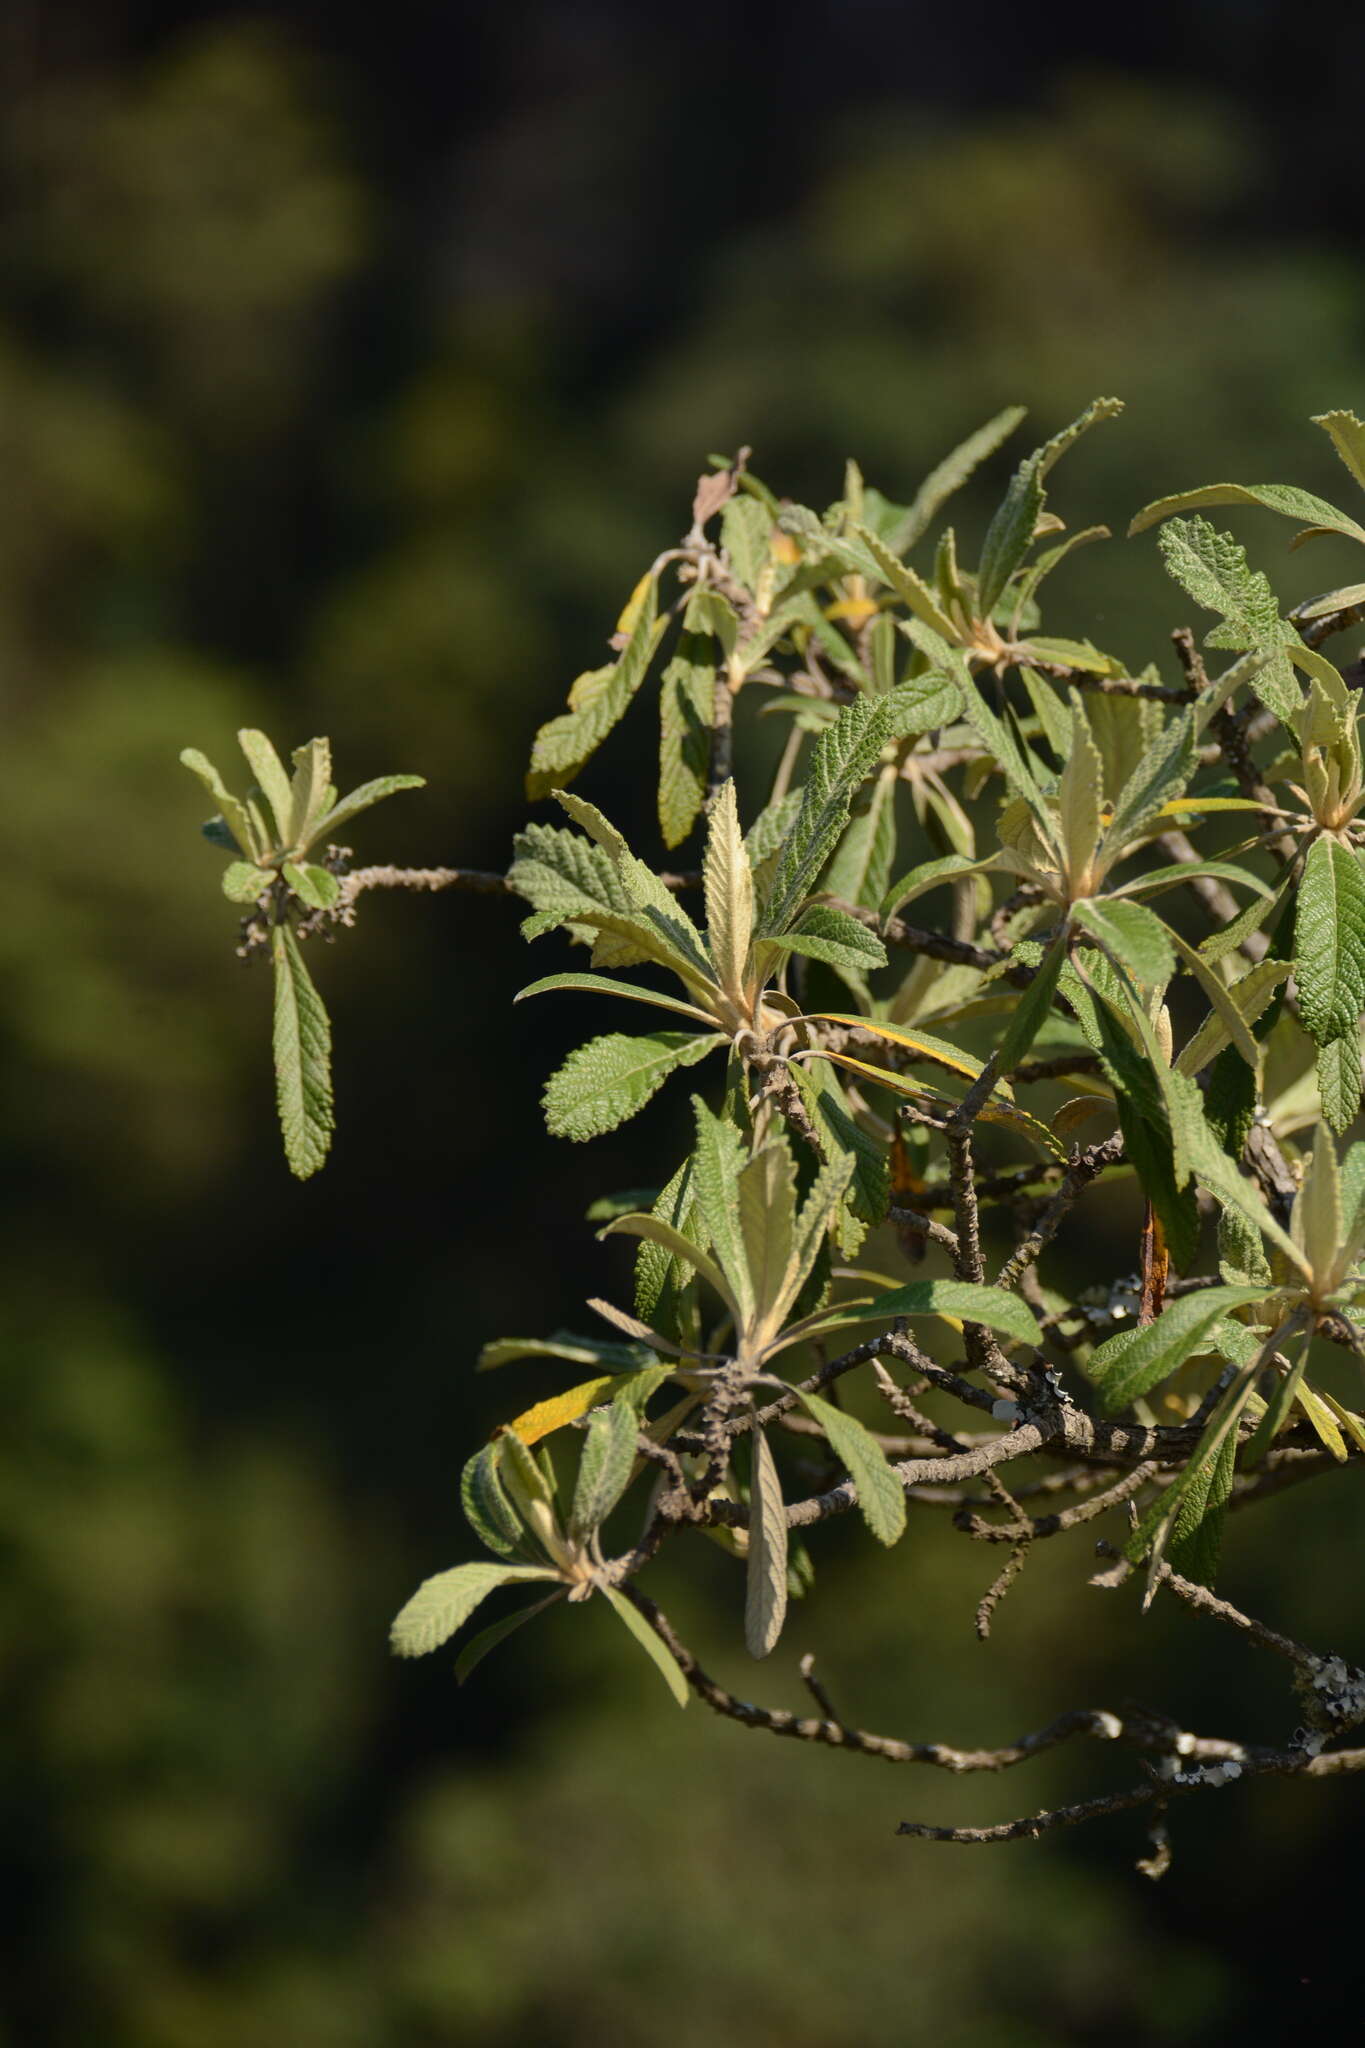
(348, 378)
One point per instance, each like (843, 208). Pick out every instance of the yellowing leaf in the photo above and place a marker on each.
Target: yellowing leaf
(936, 1050)
(560, 1409)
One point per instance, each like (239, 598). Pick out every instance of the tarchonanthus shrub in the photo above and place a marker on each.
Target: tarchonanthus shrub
(1148, 962)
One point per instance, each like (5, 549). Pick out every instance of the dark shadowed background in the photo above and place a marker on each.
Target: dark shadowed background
(350, 373)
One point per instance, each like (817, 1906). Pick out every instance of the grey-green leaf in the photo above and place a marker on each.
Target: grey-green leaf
(653, 1644)
(443, 1604)
(243, 881)
(765, 1600)
(1329, 941)
(880, 1494)
(962, 1299)
(604, 1467)
(303, 1059)
(609, 1079)
(1126, 1366)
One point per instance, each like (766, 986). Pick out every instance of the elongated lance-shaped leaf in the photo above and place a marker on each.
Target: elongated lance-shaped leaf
(444, 1603)
(1249, 997)
(824, 934)
(1315, 513)
(908, 585)
(728, 884)
(818, 1212)
(960, 1301)
(658, 1231)
(765, 1599)
(543, 1418)
(1317, 1225)
(1128, 1365)
(1080, 799)
(268, 769)
(303, 1059)
(650, 897)
(1348, 438)
(861, 869)
(1034, 1006)
(597, 701)
(1230, 1016)
(840, 761)
(1009, 756)
(1131, 934)
(478, 1647)
(686, 705)
(1011, 531)
(951, 474)
(1161, 774)
(1196, 1538)
(652, 1644)
(605, 1464)
(933, 874)
(608, 1080)
(716, 1167)
(236, 815)
(361, 799)
(881, 1496)
(602, 984)
(767, 1221)
(924, 1045)
(309, 791)
(1329, 940)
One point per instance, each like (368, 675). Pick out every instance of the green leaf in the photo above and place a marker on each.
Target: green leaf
(478, 1647)
(1011, 531)
(487, 1509)
(1134, 935)
(1126, 1366)
(565, 1344)
(602, 984)
(605, 1465)
(861, 869)
(1162, 773)
(842, 1137)
(243, 881)
(303, 1059)
(658, 1231)
(1284, 498)
(932, 874)
(235, 814)
(309, 791)
(728, 887)
(686, 708)
(362, 798)
(951, 474)
(1317, 1225)
(1034, 1005)
(268, 769)
(1329, 941)
(656, 1648)
(908, 585)
(1343, 600)
(961, 1300)
(1080, 794)
(922, 705)
(716, 1167)
(1197, 1532)
(768, 833)
(880, 1494)
(1213, 568)
(833, 936)
(315, 886)
(767, 1222)
(841, 759)
(1339, 1080)
(765, 1601)
(443, 1604)
(1348, 438)
(597, 700)
(609, 1079)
